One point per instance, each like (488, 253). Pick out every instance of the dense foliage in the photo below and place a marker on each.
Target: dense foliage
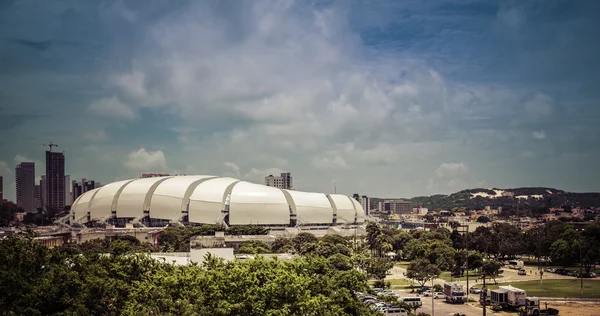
(177, 239)
(35, 280)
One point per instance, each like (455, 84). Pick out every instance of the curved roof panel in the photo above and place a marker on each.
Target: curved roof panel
(258, 205)
(131, 202)
(101, 204)
(81, 209)
(360, 212)
(345, 208)
(168, 199)
(207, 199)
(311, 208)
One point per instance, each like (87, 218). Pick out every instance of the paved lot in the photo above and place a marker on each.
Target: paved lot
(442, 308)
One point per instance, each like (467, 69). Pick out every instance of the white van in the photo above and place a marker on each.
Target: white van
(395, 311)
(412, 300)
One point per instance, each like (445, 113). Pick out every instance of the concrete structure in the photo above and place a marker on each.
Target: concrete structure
(25, 185)
(55, 175)
(396, 206)
(78, 188)
(284, 181)
(153, 175)
(204, 199)
(68, 192)
(365, 202)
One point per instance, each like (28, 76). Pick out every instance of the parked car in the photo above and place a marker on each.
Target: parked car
(438, 295)
(422, 289)
(427, 293)
(474, 290)
(386, 292)
(522, 272)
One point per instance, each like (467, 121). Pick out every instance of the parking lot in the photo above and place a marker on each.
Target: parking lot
(443, 308)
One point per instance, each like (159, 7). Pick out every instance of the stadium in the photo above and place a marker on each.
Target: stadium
(203, 199)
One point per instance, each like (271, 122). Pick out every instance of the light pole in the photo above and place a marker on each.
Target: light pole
(466, 231)
(432, 295)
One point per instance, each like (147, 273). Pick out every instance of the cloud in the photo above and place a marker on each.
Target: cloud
(142, 160)
(451, 169)
(342, 90)
(539, 135)
(112, 108)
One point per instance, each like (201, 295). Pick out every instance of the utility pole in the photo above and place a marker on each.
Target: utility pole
(432, 296)
(580, 273)
(484, 294)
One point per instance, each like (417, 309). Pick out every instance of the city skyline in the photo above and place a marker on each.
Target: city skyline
(393, 99)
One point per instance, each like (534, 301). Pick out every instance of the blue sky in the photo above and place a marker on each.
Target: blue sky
(387, 98)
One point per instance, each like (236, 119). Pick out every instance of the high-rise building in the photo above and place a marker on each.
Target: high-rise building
(43, 191)
(365, 202)
(68, 193)
(55, 175)
(37, 196)
(1, 189)
(284, 181)
(25, 185)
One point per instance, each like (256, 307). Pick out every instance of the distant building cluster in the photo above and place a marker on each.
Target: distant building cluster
(54, 190)
(284, 181)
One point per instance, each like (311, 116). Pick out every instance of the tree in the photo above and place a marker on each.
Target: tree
(491, 269)
(36, 280)
(565, 251)
(483, 219)
(422, 271)
(301, 241)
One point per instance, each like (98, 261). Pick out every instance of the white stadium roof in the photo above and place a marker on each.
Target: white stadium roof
(207, 199)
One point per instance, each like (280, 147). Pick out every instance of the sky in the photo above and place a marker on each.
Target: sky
(382, 98)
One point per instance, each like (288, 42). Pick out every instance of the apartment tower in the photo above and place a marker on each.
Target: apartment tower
(55, 177)
(25, 185)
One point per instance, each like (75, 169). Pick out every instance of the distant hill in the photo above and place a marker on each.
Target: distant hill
(526, 198)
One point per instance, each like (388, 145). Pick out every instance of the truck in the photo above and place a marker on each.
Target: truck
(508, 296)
(532, 308)
(454, 293)
(516, 264)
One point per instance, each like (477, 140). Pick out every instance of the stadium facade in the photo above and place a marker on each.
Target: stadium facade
(205, 199)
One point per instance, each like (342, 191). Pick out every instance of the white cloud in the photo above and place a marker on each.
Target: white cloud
(142, 160)
(21, 158)
(231, 166)
(539, 135)
(112, 108)
(451, 169)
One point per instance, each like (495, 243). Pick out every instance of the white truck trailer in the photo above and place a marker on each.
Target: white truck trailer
(508, 296)
(454, 293)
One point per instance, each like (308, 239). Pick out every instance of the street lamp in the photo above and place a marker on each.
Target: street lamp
(432, 295)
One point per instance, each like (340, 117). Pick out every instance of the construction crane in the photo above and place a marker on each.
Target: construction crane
(49, 145)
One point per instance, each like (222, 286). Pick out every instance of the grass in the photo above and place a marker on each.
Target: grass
(446, 276)
(557, 288)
